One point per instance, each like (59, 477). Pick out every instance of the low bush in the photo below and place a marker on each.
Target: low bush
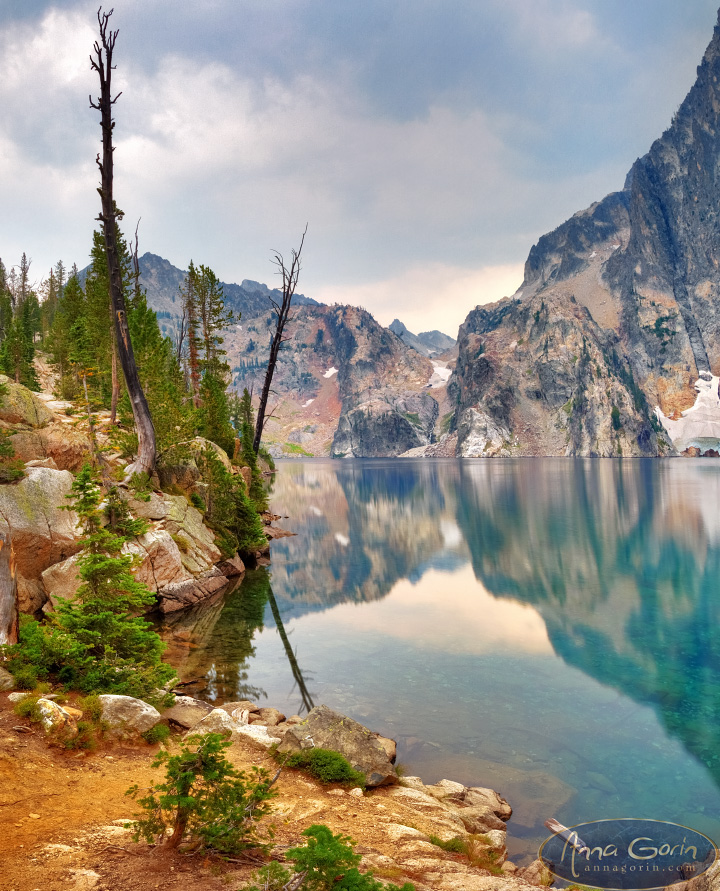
(25, 678)
(326, 766)
(28, 707)
(160, 733)
(455, 845)
(324, 863)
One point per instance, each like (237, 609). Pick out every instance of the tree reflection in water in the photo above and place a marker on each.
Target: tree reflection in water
(211, 645)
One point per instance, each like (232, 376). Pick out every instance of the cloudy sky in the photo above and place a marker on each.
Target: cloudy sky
(427, 143)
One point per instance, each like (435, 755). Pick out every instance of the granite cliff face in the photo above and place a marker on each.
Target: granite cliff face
(618, 312)
(344, 385)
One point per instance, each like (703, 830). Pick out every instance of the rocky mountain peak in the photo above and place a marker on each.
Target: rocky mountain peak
(644, 264)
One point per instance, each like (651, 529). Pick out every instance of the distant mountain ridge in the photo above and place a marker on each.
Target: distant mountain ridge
(427, 343)
(162, 281)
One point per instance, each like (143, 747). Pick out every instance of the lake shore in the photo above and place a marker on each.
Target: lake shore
(62, 823)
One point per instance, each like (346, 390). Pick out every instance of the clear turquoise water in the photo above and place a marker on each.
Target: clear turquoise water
(549, 628)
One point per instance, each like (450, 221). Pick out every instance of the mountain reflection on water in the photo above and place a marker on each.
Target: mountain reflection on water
(541, 626)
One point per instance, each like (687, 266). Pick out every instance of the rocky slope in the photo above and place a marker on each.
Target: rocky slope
(344, 385)
(618, 312)
(74, 837)
(177, 558)
(162, 281)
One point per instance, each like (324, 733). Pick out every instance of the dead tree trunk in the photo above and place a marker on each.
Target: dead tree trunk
(290, 278)
(114, 370)
(102, 63)
(8, 592)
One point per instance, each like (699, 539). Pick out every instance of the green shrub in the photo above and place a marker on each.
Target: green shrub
(197, 501)
(455, 845)
(326, 766)
(141, 485)
(267, 457)
(28, 708)
(475, 848)
(98, 642)
(326, 862)
(160, 733)
(25, 678)
(205, 800)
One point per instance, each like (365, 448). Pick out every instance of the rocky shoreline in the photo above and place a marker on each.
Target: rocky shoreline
(415, 818)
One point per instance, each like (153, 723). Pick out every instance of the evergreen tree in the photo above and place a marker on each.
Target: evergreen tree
(17, 352)
(188, 294)
(160, 375)
(71, 307)
(246, 429)
(98, 312)
(98, 642)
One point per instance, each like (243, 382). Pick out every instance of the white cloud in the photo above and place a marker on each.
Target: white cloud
(553, 24)
(428, 297)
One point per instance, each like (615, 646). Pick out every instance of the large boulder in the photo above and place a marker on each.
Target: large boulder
(180, 595)
(67, 446)
(55, 719)
(160, 559)
(215, 721)
(31, 595)
(62, 580)
(198, 551)
(127, 717)
(7, 681)
(186, 712)
(21, 406)
(8, 592)
(328, 729)
(34, 511)
(181, 465)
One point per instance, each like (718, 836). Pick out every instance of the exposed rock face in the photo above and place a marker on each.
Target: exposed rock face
(176, 558)
(328, 729)
(61, 442)
(8, 591)
(540, 377)
(180, 465)
(21, 406)
(428, 343)
(348, 386)
(384, 411)
(32, 511)
(630, 283)
(186, 712)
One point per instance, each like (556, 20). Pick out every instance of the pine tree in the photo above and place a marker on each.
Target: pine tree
(98, 642)
(160, 375)
(190, 309)
(71, 307)
(17, 352)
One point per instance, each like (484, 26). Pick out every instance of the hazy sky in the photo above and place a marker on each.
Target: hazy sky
(428, 143)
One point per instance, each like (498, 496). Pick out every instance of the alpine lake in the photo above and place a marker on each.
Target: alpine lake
(549, 628)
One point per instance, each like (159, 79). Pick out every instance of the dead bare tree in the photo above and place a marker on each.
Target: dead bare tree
(290, 276)
(102, 63)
